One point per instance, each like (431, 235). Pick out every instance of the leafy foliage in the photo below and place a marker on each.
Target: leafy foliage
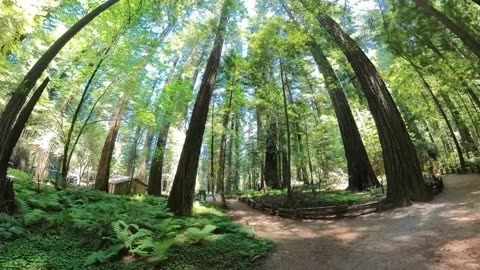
(72, 229)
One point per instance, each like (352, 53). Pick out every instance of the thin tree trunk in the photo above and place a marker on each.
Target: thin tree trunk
(462, 34)
(402, 167)
(19, 96)
(465, 135)
(443, 114)
(223, 149)
(271, 167)
(180, 200)
(75, 115)
(103, 171)
(132, 151)
(287, 173)
(142, 167)
(360, 172)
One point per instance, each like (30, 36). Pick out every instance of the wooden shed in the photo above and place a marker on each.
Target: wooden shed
(119, 185)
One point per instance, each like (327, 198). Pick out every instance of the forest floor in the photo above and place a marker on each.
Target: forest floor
(442, 234)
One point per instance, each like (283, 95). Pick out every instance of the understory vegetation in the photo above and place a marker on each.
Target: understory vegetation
(310, 197)
(87, 229)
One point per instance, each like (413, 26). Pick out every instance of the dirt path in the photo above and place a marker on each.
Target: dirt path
(443, 234)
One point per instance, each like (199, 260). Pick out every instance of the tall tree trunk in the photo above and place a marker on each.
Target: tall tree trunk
(132, 151)
(465, 135)
(7, 194)
(75, 115)
(223, 149)
(156, 170)
(402, 167)
(103, 171)
(287, 180)
(180, 200)
(271, 167)
(462, 34)
(19, 96)
(310, 166)
(443, 114)
(142, 167)
(16, 130)
(360, 172)
(258, 119)
(212, 153)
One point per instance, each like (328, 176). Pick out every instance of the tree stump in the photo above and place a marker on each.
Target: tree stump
(7, 196)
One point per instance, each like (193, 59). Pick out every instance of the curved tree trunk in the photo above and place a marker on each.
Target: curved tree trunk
(443, 114)
(402, 167)
(16, 131)
(103, 171)
(180, 200)
(83, 97)
(7, 194)
(19, 96)
(360, 172)
(467, 39)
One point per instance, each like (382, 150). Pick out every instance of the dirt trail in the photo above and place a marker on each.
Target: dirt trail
(443, 234)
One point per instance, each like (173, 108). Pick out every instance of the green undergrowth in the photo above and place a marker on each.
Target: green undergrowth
(307, 198)
(86, 229)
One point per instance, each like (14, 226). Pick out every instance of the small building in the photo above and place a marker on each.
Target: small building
(120, 184)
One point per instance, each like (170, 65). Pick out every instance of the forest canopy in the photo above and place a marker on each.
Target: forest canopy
(233, 95)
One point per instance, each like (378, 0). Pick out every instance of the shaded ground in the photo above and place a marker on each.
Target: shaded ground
(443, 234)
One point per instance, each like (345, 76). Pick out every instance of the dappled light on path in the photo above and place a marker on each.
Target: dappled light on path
(442, 234)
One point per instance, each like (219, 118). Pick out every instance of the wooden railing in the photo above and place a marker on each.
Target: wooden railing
(326, 212)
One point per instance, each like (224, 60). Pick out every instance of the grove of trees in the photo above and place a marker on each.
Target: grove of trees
(235, 95)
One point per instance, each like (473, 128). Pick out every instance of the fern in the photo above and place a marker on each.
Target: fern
(195, 235)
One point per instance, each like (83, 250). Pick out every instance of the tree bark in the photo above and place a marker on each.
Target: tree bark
(223, 148)
(142, 167)
(360, 172)
(465, 135)
(16, 130)
(103, 171)
(271, 167)
(443, 114)
(156, 170)
(287, 177)
(66, 158)
(402, 167)
(133, 151)
(19, 96)
(180, 200)
(463, 35)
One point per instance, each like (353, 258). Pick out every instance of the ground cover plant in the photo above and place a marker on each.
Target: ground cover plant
(87, 229)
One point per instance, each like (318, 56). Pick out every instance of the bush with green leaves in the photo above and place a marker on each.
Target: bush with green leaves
(86, 229)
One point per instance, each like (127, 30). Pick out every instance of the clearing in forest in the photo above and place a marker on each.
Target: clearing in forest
(443, 234)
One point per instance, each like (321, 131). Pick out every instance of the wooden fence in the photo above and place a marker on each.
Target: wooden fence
(326, 212)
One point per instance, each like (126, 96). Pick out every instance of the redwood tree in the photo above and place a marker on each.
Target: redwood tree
(19, 96)
(103, 171)
(360, 172)
(180, 200)
(461, 33)
(402, 167)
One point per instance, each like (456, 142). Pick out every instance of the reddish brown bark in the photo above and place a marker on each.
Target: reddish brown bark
(180, 200)
(402, 167)
(360, 172)
(103, 171)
